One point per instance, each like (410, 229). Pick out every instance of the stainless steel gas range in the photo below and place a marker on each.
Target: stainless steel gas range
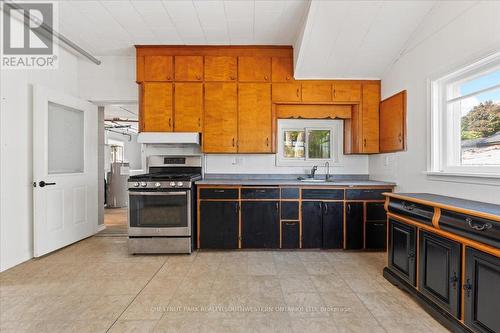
(162, 205)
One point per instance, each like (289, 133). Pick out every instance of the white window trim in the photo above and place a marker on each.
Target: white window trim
(336, 128)
(440, 159)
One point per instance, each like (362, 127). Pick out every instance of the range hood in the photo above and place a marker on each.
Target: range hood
(173, 138)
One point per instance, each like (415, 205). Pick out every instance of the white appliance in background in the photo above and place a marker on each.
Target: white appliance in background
(117, 196)
(169, 138)
(65, 182)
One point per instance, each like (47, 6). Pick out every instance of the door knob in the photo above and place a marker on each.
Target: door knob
(43, 184)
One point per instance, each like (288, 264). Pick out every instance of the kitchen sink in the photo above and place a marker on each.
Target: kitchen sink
(314, 180)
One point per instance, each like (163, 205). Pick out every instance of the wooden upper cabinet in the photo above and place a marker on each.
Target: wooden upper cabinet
(221, 68)
(282, 69)
(188, 99)
(189, 68)
(393, 123)
(316, 92)
(370, 117)
(346, 91)
(158, 68)
(286, 92)
(254, 69)
(156, 107)
(220, 125)
(254, 118)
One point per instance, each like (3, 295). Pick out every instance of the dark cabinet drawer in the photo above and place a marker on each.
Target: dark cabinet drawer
(290, 235)
(290, 193)
(218, 193)
(415, 211)
(326, 194)
(376, 234)
(260, 193)
(476, 228)
(439, 271)
(289, 210)
(375, 211)
(365, 194)
(481, 291)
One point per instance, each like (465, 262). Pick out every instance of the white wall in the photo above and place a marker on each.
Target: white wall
(131, 150)
(16, 149)
(453, 34)
(112, 80)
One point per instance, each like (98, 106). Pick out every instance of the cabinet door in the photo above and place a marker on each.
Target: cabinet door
(401, 252)
(221, 68)
(218, 225)
(370, 118)
(482, 291)
(354, 225)
(375, 226)
(286, 92)
(188, 107)
(282, 69)
(260, 224)
(346, 92)
(393, 123)
(188, 68)
(254, 118)
(312, 224)
(158, 68)
(220, 125)
(156, 107)
(290, 235)
(316, 92)
(439, 271)
(254, 69)
(333, 225)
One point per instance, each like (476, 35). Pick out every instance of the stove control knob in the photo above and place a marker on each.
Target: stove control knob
(144, 184)
(136, 184)
(180, 184)
(172, 184)
(157, 184)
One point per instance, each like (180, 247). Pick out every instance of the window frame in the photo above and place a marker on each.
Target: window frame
(445, 143)
(334, 126)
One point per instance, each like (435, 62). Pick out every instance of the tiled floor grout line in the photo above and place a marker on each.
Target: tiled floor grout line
(135, 297)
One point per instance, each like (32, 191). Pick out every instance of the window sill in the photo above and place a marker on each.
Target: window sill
(463, 177)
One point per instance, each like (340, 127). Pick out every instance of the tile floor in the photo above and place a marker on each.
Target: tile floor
(95, 286)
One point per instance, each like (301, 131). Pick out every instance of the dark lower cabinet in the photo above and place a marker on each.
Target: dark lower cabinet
(218, 224)
(354, 225)
(312, 224)
(482, 291)
(401, 252)
(375, 226)
(439, 271)
(333, 225)
(290, 235)
(260, 224)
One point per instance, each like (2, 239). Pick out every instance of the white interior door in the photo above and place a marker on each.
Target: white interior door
(64, 169)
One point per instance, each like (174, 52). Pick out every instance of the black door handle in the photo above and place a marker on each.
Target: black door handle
(43, 184)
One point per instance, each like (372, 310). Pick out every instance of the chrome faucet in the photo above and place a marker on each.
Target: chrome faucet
(313, 171)
(327, 167)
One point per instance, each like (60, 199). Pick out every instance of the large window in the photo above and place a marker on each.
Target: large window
(466, 120)
(308, 142)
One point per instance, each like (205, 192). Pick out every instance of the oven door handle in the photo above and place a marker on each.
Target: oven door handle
(157, 193)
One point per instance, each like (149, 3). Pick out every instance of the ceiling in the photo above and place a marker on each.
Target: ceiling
(112, 27)
(332, 39)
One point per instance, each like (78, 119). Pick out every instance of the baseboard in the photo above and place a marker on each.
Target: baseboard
(100, 227)
(443, 317)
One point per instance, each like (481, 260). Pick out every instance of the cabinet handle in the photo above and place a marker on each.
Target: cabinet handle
(277, 206)
(454, 280)
(198, 77)
(169, 122)
(364, 142)
(237, 208)
(219, 191)
(334, 93)
(169, 78)
(260, 191)
(290, 223)
(199, 122)
(267, 142)
(483, 227)
(232, 78)
(467, 288)
(297, 92)
(265, 77)
(400, 137)
(326, 207)
(233, 142)
(411, 255)
(348, 208)
(287, 78)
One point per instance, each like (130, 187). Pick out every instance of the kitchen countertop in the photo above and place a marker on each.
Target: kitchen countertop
(450, 203)
(293, 182)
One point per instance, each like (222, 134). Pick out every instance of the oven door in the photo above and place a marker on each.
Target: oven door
(160, 213)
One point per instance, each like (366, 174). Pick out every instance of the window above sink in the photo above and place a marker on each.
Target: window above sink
(308, 142)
